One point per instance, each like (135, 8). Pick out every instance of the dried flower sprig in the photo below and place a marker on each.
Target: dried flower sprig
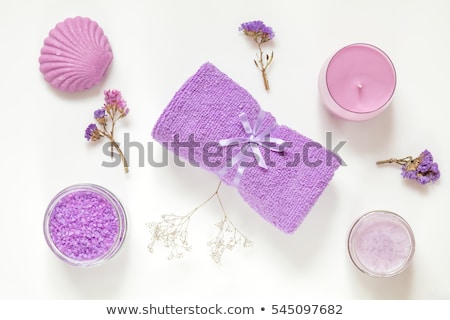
(260, 33)
(422, 168)
(226, 239)
(172, 232)
(114, 108)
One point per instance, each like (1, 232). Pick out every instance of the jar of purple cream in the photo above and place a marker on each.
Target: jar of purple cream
(381, 244)
(85, 225)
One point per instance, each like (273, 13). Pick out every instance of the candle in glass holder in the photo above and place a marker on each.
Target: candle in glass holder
(381, 244)
(358, 82)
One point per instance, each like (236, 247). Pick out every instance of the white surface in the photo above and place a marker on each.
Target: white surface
(157, 45)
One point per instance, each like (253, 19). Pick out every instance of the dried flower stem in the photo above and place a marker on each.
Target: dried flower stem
(402, 161)
(422, 168)
(114, 108)
(228, 236)
(260, 33)
(236, 231)
(173, 232)
(114, 144)
(125, 162)
(263, 64)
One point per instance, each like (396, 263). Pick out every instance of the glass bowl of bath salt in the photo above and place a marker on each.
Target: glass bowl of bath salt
(381, 244)
(85, 225)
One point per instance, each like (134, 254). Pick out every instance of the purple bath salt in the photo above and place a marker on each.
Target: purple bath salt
(85, 224)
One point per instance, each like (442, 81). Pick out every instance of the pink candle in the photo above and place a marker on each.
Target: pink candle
(358, 82)
(381, 244)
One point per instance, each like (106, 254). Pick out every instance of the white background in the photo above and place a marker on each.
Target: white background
(157, 45)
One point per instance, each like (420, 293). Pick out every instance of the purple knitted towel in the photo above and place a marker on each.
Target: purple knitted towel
(278, 172)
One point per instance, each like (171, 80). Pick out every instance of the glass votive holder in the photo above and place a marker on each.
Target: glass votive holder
(381, 244)
(357, 82)
(85, 225)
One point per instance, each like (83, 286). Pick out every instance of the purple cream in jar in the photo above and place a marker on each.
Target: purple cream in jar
(85, 225)
(381, 244)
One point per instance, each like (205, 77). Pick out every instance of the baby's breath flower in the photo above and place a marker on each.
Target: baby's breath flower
(226, 239)
(113, 109)
(260, 33)
(172, 233)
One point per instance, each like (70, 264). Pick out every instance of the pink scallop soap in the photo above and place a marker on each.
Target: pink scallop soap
(75, 55)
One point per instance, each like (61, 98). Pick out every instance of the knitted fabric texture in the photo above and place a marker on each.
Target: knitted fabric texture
(206, 110)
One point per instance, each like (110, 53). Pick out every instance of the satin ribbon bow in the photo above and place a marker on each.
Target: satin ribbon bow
(252, 140)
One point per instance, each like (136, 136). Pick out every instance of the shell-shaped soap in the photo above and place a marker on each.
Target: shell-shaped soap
(75, 55)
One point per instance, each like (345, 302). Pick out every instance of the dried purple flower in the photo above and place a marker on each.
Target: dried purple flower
(422, 169)
(100, 113)
(114, 97)
(115, 104)
(114, 108)
(92, 133)
(260, 33)
(123, 111)
(100, 116)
